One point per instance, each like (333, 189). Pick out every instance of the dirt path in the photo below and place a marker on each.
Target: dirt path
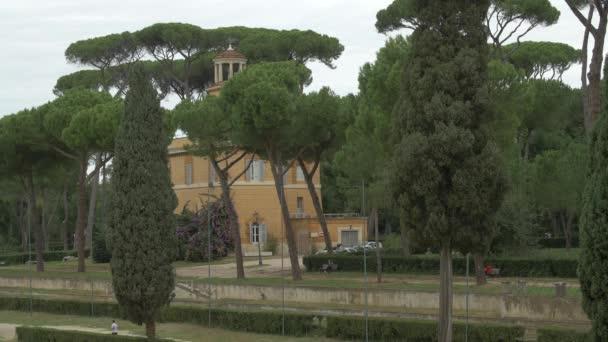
(7, 332)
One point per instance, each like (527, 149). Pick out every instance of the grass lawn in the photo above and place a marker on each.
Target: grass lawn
(187, 332)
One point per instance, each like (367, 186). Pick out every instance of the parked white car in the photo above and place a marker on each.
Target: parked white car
(372, 245)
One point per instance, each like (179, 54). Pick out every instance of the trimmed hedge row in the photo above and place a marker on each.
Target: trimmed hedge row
(563, 335)
(296, 324)
(353, 328)
(35, 334)
(509, 267)
(22, 258)
(557, 242)
(259, 322)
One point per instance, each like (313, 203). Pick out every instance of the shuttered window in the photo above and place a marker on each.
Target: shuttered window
(255, 172)
(188, 174)
(257, 232)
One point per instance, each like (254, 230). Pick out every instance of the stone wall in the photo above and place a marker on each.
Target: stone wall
(541, 309)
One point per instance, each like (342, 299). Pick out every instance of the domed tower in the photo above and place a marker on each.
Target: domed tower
(226, 65)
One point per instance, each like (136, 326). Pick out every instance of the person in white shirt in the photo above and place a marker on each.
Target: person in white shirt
(114, 328)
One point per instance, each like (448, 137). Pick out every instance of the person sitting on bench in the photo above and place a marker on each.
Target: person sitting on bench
(489, 270)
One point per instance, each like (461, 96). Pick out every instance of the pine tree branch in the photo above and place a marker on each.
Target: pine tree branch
(582, 18)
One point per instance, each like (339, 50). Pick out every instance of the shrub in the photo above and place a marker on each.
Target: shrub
(266, 322)
(272, 244)
(192, 233)
(258, 322)
(21, 258)
(101, 254)
(35, 334)
(353, 328)
(509, 267)
(562, 335)
(557, 242)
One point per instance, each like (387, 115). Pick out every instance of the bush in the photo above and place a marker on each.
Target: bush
(60, 307)
(353, 328)
(562, 335)
(270, 322)
(557, 242)
(101, 255)
(272, 244)
(35, 334)
(509, 266)
(258, 322)
(22, 258)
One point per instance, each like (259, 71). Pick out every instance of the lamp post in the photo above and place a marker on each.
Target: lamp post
(256, 228)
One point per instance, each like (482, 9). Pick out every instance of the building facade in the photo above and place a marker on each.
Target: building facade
(254, 193)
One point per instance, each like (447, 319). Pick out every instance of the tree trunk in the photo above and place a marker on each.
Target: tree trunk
(554, 224)
(445, 295)
(566, 219)
(277, 173)
(316, 203)
(595, 72)
(584, 85)
(234, 220)
(92, 205)
(34, 216)
(378, 257)
(22, 225)
(480, 274)
(64, 226)
(44, 221)
(82, 212)
(405, 241)
(151, 330)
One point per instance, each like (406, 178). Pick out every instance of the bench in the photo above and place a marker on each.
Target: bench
(329, 267)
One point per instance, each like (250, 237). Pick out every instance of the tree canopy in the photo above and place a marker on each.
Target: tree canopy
(180, 56)
(546, 60)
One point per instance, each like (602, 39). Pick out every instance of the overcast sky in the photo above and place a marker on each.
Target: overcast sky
(35, 33)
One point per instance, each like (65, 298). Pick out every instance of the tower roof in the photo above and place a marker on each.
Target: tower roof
(230, 53)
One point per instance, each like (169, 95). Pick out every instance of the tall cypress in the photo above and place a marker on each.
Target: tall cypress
(142, 226)
(593, 265)
(446, 177)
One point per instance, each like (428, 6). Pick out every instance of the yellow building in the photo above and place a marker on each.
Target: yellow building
(254, 194)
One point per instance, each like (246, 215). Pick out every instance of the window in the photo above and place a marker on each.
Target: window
(299, 174)
(255, 172)
(257, 232)
(189, 174)
(300, 205)
(211, 173)
(236, 68)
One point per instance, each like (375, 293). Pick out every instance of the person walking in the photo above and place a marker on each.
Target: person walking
(114, 328)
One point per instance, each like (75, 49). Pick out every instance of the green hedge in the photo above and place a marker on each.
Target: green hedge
(22, 258)
(257, 322)
(344, 327)
(61, 307)
(557, 242)
(509, 267)
(562, 335)
(35, 334)
(353, 328)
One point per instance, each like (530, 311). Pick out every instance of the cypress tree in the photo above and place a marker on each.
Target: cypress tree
(142, 226)
(446, 177)
(593, 265)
